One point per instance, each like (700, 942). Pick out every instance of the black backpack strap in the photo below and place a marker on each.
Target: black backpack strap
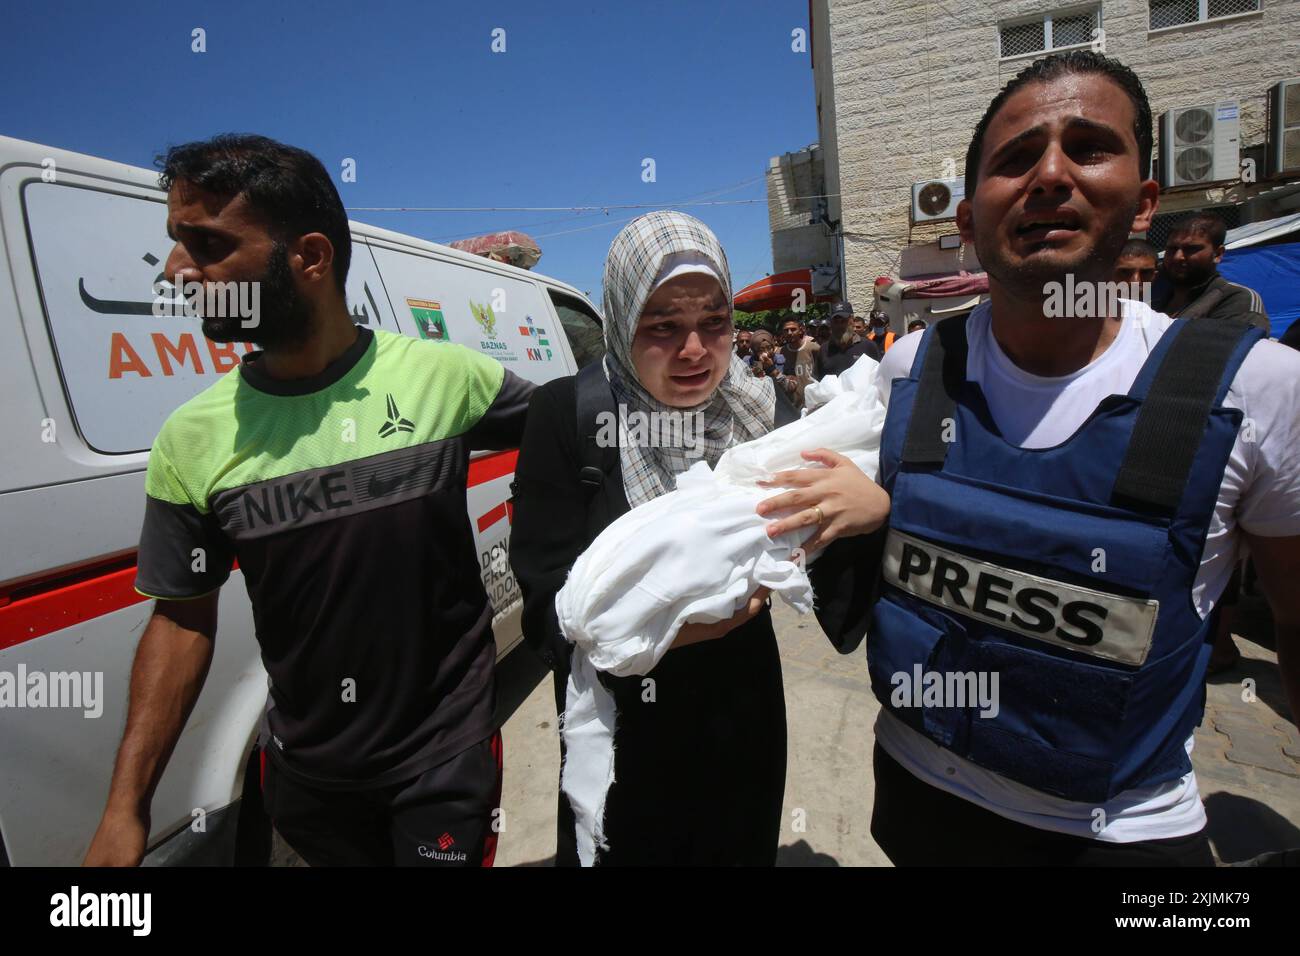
(785, 411)
(594, 397)
(1175, 410)
(942, 376)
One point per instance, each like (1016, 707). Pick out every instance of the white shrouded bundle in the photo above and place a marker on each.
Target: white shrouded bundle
(693, 555)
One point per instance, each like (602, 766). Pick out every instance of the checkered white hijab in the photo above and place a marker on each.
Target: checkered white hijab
(740, 409)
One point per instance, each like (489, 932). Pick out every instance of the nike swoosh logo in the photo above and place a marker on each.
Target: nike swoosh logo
(383, 487)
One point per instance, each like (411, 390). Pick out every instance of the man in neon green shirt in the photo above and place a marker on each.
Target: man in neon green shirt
(332, 465)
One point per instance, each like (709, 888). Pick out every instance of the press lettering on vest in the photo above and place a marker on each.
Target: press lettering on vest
(984, 593)
(915, 561)
(1043, 620)
(1110, 626)
(1092, 631)
(950, 577)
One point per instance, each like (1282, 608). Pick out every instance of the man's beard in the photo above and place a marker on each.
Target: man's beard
(1028, 280)
(284, 317)
(845, 340)
(1192, 277)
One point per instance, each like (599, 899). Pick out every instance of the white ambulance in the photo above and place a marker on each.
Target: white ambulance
(87, 376)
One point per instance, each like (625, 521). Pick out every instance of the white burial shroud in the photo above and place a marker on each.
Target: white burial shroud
(692, 555)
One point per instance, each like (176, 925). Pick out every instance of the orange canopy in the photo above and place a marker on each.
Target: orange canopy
(777, 292)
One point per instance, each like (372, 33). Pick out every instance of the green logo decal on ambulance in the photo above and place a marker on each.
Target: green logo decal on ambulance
(428, 319)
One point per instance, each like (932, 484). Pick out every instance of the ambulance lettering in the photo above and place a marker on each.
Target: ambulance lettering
(170, 358)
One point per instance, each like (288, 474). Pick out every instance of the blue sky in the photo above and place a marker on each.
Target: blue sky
(413, 92)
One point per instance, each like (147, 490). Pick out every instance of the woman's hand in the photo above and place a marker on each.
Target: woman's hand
(834, 502)
(694, 633)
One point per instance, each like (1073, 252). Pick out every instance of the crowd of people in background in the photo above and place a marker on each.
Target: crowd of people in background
(800, 352)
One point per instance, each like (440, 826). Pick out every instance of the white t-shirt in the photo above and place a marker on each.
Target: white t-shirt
(1260, 495)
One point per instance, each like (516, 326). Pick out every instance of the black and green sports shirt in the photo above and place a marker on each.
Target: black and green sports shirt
(343, 497)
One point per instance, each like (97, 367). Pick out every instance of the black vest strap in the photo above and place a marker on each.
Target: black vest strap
(1174, 413)
(943, 373)
(593, 397)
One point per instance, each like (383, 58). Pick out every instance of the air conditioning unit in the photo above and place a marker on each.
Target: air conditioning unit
(1200, 144)
(936, 199)
(1284, 127)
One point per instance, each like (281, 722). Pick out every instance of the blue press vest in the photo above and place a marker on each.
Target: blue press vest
(1065, 571)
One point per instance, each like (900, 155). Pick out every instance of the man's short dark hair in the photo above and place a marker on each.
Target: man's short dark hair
(1205, 224)
(1138, 247)
(1054, 67)
(285, 185)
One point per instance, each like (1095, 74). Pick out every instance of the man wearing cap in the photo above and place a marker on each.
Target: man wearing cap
(880, 332)
(844, 347)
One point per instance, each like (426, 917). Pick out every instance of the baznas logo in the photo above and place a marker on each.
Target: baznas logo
(484, 317)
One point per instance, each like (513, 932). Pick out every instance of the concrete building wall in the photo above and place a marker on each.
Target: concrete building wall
(797, 243)
(781, 213)
(801, 248)
(824, 93)
(902, 84)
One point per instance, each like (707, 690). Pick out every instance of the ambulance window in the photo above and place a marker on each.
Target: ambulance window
(99, 256)
(581, 326)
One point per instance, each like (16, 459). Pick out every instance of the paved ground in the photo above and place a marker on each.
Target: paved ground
(1247, 754)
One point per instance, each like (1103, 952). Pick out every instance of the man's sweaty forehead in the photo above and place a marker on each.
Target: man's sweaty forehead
(200, 206)
(1094, 98)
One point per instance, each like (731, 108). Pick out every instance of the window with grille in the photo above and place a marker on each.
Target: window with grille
(1053, 31)
(1177, 13)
